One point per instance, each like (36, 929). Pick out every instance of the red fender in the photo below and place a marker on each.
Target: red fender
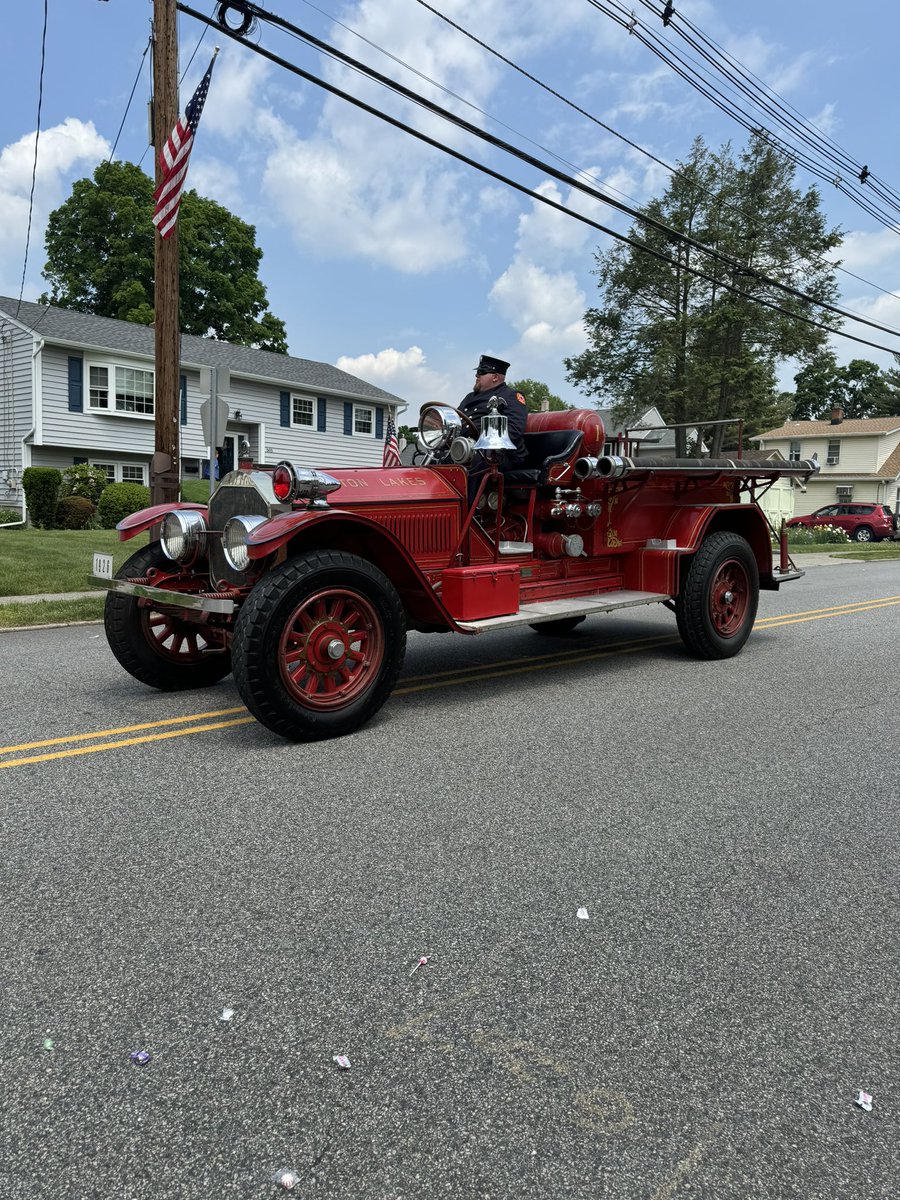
(418, 595)
(137, 522)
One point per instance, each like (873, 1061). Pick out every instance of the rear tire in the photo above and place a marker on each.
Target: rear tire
(558, 628)
(318, 645)
(863, 534)
(158, 648)
(716, 606)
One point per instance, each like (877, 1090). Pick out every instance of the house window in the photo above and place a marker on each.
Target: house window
(794, 453)
(108, 468)
(364, 420)
(132, 389)
(834, 453)
(302, 411)
(132, 473)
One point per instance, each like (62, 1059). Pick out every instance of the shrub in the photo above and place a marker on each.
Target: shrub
(84, 480)
(119, 500)
(9, 515)
(41, 486)
(74, 512)
(817, 536)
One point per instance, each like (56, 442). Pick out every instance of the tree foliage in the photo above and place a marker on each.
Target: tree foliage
(704, 349)
(100, 260)
(535, 393)
(861, 388)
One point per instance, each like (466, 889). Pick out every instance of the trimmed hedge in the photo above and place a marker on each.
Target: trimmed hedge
(74, 512)
(41, 486)
(120, 500)
(9, 516)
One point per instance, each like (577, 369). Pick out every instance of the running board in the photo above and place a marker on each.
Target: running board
(557, 610)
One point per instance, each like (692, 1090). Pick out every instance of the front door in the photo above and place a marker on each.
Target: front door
(227, 455)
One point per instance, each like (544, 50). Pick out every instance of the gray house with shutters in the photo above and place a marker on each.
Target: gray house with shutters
(79, 388)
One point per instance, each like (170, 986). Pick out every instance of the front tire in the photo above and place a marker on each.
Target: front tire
(161, 649)
(716, 606)
(318, 645)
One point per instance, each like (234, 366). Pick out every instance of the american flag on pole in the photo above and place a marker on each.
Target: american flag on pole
(174, 157)
(391, 449)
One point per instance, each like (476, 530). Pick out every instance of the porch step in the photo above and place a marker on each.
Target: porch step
(554, 610)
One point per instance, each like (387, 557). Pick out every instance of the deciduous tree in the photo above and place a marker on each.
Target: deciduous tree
(536, 393)
(100, 260)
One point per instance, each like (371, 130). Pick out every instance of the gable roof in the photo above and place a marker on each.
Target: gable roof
(90, 332)
(809, 429)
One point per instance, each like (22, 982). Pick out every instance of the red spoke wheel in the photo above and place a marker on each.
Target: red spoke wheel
(716, 606)
(157, 647)
(318, 645)
(331, 649)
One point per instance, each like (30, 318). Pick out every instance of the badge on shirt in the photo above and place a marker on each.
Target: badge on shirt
(520, 398)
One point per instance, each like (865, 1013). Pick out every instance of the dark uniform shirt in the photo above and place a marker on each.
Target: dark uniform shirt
(477, 405)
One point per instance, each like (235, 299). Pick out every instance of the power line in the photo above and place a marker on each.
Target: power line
(695, 77)
(674, 171)
(545, 167)
(792, 113)
(37, 137)
(739, 268)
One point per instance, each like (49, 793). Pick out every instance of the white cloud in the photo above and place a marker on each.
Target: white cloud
(406, 374)
(61, 149)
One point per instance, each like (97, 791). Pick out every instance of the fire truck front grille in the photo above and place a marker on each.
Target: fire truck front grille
(230, 501)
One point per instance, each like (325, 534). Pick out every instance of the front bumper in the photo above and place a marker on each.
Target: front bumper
(194, 601)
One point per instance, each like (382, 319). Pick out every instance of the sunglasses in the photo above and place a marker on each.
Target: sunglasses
(484, 372)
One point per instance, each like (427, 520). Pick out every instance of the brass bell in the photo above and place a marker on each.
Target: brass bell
(494, 431)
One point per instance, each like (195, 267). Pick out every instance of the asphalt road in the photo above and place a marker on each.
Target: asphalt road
(731, 829)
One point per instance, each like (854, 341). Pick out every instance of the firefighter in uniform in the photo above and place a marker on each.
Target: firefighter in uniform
(490, 382)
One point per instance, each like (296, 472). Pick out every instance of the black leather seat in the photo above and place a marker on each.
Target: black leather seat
(544, 449)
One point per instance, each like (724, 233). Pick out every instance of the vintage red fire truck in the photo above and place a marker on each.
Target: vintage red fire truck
(304, 582)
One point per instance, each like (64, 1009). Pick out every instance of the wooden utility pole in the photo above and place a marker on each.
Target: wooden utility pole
(165, 466)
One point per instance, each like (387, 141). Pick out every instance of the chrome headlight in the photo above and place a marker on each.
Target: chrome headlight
(183, 535)
(234, 540)
(438, 426)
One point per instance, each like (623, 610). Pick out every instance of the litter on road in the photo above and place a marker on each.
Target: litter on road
(421, 963)
(342, 1061)
(582, 914)
(140, 1058)
(227, 1014)
(49, 1045)
(864, 1101)
(286, 1178)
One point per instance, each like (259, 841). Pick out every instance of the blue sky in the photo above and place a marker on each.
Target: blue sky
(383, 255)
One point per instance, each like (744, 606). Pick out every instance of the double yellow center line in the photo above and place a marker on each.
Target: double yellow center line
(173, 727)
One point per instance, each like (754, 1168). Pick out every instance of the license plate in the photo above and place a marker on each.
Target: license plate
(103, 564)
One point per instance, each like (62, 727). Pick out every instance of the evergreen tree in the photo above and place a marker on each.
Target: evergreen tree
(100, 260)
(691, 346)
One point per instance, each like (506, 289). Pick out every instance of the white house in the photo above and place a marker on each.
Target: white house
(860, 459)
(79, 388)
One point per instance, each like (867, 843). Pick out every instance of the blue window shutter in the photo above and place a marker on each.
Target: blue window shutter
(285, 398)
(321, 404)
(348, 418)
(183, 385)
(379, 423)
(76, 387)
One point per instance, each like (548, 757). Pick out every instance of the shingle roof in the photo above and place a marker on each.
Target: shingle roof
(808, 429)
(105, 333)
(890, 468)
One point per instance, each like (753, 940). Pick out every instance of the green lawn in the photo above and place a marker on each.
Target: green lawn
(871, 552)
(38, 561)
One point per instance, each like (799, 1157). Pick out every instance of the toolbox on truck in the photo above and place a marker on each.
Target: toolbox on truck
(472, 593)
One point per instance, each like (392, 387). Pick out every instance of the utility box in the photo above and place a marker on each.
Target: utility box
(474, 593)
